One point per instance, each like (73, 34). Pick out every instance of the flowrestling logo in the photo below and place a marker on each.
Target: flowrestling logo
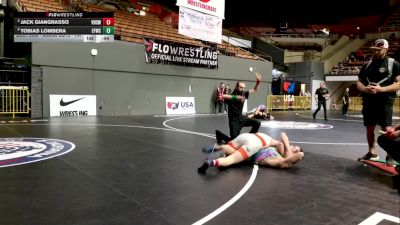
(295, 125)
(172, 53)
(17, 151)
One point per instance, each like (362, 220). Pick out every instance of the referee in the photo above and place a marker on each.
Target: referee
(237, 120)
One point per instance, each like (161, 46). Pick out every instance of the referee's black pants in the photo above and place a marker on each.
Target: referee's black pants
(237, 123)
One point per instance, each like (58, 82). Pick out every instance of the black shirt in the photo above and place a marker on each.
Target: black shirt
(235, 107)
(321, 92)
(376, 71)
(346, 97)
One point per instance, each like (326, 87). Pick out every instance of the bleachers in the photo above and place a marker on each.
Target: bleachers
(132, 27)
(352, 65)
(40, 6)
(392, 23)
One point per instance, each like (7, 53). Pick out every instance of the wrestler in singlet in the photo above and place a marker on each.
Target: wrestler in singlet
(266, 153)
(249, 144)
(262, 111)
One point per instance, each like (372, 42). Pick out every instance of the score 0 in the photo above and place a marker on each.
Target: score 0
(108, 21)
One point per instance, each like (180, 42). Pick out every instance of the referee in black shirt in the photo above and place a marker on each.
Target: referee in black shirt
(321, 95)
(237, 120)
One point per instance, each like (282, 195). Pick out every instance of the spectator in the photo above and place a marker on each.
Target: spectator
(228, 91)
(378, 81)
(355, 70)
(390, 142)
(219, 97)
(352, 57)
(346, 101)
(360, 55)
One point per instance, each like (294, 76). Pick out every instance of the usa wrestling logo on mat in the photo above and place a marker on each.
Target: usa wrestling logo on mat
(16, 151)
(295, 125)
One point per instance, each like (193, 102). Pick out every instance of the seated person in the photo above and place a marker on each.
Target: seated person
(259, 113)
(390, 142)
(248, 144)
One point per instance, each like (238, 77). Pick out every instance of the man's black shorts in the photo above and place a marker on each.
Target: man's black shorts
(377, 114)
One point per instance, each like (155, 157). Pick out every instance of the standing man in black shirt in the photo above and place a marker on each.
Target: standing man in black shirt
(321, 95)
(346, 101)
(378, 81)
(237, 120)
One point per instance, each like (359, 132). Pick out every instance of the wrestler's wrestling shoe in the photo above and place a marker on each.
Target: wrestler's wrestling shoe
(209, 148)
(202, 169)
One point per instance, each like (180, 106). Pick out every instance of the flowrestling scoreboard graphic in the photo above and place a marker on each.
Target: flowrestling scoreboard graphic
(64, 27)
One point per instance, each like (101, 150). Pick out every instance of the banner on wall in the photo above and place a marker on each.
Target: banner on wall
(198, 25)
(212, 7)
(291, 87)
(72, 105)
(171, 53)
(179, 105)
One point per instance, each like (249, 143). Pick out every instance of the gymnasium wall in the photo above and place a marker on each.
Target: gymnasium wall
(126, 85)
